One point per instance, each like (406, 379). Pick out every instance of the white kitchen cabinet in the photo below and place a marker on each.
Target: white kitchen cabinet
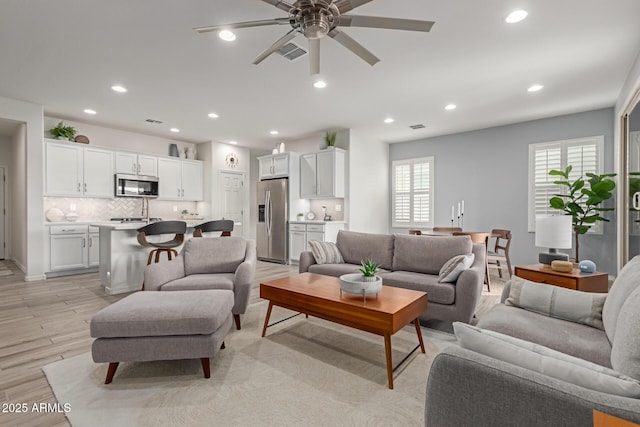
(136, 164)
(94, 247)
(77, 171)
(274, 166)
(301, 233)
(68, 247)
(322, 174)
(180, 179)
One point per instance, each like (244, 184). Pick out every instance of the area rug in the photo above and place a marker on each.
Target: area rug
(305, 372)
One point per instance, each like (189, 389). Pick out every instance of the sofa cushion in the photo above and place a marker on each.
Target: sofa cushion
(335, 270)
(572, 338)
(546, 361)
(213, 254)
(148, 313)
(427, 254)
(441, 293)
(356, 247)
(451, 269)
(627, 281)
(200, 282)
(325, 252)
(554, 301)
(625, 352)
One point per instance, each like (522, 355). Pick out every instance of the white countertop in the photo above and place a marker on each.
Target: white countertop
(115, 225)
(317, 222)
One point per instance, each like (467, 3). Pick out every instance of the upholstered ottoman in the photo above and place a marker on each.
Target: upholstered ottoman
(148, 326)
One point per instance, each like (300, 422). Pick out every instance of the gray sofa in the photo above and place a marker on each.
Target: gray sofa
(413, 262)
(468, 388)
(209, 263)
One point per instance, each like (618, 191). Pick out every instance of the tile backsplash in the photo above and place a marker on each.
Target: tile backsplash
(121, 207)
(315, 206)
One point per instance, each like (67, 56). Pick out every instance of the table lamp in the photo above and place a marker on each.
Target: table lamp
(553, 232)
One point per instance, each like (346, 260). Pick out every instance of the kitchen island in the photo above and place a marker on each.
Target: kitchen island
(123, 259)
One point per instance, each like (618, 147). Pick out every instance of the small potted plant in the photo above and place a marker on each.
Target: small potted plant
(184, 213)
(330, 139)
(300, 216)
(63, 132)
(369, 270)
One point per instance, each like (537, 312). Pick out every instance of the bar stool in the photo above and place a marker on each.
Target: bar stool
(224, 225)
(179, 228)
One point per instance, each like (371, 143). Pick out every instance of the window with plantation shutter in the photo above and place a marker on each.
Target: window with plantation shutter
(412, 193)
(583, 154)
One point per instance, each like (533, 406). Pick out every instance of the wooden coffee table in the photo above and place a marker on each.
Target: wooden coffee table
(320, 296)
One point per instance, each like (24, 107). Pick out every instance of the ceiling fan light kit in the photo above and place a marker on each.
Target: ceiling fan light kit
(315, 19)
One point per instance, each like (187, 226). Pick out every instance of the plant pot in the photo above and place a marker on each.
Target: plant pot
(355, 284)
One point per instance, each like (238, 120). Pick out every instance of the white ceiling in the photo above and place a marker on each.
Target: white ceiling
(66, 54)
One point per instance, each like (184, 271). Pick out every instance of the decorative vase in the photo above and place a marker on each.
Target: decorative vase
(281, 147)
(587, 266)
(173, 150)
(368, 278)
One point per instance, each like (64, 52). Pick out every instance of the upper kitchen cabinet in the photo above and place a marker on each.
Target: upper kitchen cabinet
(180, 179)
(78, 171)
(274, 166)
(136, 164)
(322, 174)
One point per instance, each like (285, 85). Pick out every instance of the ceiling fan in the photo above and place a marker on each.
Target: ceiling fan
(315, 19)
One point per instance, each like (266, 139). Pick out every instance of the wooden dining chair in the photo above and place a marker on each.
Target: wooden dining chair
(479, 238)
(415, 232)
(447, 229)
(500, 252)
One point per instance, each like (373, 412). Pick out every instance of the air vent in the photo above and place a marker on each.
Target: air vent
(155, 122)
(420, 126)
(291, 51)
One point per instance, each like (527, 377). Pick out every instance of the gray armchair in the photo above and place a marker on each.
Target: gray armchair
(209, 263)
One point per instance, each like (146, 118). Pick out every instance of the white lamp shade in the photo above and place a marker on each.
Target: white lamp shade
(554, 232)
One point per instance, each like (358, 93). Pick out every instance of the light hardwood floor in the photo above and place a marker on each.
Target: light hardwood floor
(45, 321)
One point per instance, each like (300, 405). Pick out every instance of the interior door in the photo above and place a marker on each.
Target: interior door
(231, 190)
(634, 191)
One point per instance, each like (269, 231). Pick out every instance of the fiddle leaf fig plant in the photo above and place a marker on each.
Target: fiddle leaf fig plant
(583, 202)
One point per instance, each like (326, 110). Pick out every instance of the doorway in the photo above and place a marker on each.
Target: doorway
(631, 181)
(3, 211)
(231, 191)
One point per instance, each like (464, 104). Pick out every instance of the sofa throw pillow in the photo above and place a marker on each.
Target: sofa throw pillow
(325, 252)
(451, 269)
(546, 361)
(554, 301)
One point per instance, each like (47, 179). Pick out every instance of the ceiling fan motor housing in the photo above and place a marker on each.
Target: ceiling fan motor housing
(314, 20)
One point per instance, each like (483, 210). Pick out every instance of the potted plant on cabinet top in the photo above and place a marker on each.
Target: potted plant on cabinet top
(582, 202)
(63, 132)
(330, 139)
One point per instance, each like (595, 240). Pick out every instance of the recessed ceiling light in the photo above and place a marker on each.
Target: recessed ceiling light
(451, 107)
(90, 111)
(535, 88)
(175, 130)
(274, 132)
(213, 115)
(320, 84)
(118, 88)
(516, 16)
(233, 142)
(389, 120)
(227, 35)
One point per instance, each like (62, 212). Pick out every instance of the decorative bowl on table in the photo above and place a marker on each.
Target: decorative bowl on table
(355, 283)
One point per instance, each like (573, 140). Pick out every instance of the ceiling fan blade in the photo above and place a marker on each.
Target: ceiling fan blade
(354, 46)
(381, 22)
(314, 56)
(279, 4)
(345, 6)
(274, 47)
(276, 21)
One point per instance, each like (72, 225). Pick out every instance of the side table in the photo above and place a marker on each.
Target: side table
(587, 282)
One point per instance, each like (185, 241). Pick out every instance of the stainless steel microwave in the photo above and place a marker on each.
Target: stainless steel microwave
(136, 186)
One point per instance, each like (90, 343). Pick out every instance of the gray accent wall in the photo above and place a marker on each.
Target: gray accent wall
(488, 169)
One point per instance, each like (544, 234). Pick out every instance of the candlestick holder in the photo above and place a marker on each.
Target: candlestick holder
(462, 221)
(451, 222)
(459, 221)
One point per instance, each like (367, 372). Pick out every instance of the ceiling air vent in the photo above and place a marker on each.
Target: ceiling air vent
(415, 127)
(291, 51)
(155, 122)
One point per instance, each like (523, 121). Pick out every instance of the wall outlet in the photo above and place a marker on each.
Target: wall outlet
(72, 207)
(338, 208)
(175, 208)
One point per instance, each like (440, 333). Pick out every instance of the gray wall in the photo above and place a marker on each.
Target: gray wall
(488, 168)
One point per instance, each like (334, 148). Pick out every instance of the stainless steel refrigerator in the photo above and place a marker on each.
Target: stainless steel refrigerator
(273, 213)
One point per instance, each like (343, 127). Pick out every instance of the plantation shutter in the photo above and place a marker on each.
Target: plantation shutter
(412, 195)
(584, 155)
